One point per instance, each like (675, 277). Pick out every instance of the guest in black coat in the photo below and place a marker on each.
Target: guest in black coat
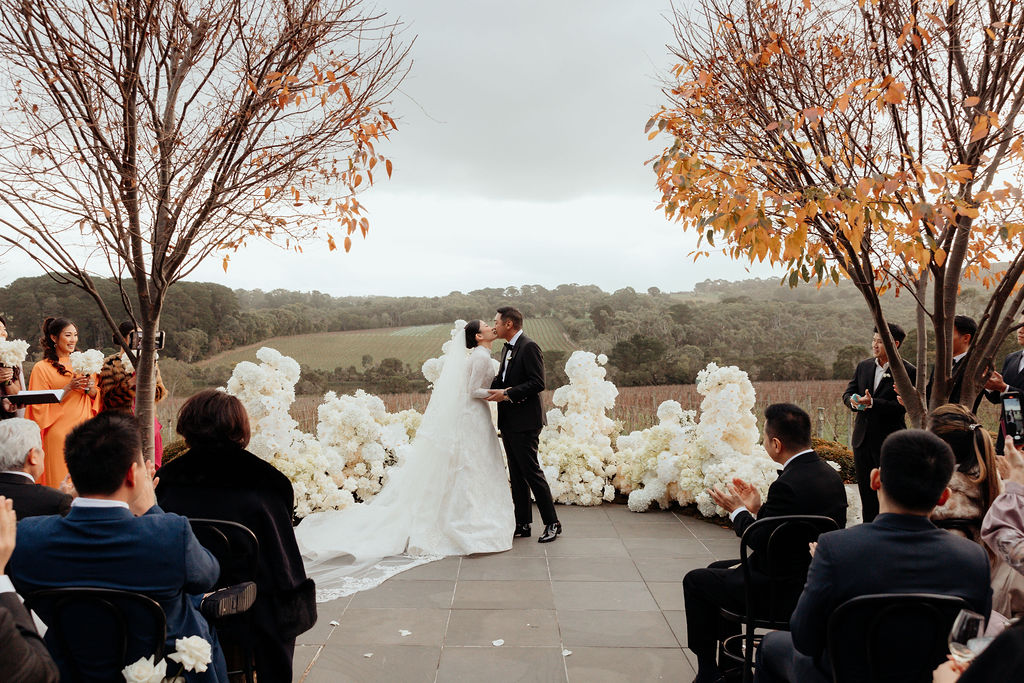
(218, 479)
(872, 395)
(1010, 379)
(807, 485)
(964, 329)
(21, 463)
(900, 552)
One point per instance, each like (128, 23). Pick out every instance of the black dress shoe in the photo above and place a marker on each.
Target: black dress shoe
(522, 531)
(551, 532)
(227, 601)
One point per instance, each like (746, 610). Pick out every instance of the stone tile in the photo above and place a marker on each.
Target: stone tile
(677, 622)
(668, 595)
(387, 663)
(326, 612)
(303, 656)
(666, 547)
(606, 595)
(364, 626)
(648, 519)
(657, 530)
(593, 569)
(503, 595)
(498, 664)
(442, 570)
(591, 515)
(711, 530)
(588, 530)
(481, 627)
(567, 546)
(598, 665)
(663, 569)
(582, 628)
(528, 547)
(724, 549)
(498, 567)
(413, 593)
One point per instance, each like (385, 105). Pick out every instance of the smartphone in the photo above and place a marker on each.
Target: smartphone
(135, 340)
(1013, 418)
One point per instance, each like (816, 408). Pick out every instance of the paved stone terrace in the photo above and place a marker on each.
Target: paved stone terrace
(608, 590)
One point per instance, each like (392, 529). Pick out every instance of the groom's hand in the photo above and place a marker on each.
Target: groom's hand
(497, 395)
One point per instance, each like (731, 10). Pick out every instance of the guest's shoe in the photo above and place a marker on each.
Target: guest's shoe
(227, 601)
(522, 531)
(551, 532)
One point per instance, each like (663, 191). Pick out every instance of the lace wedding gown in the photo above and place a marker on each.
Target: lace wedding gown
(448, 495)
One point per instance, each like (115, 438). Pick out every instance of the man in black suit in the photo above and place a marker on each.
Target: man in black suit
(872, 395)
(964, 329)
(1010, 379)
(517, 389)
(900, 552)
(807, 485)
(21, 463)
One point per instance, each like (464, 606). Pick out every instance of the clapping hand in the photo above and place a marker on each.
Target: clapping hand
(747, 493)
(1014, 462)
(8, 530)
(812, 547)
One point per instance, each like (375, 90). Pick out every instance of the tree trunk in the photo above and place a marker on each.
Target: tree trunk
(145, 384)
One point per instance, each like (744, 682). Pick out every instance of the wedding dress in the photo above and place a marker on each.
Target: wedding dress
(448, 495)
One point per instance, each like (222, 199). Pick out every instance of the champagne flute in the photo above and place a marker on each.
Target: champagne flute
(966, 638)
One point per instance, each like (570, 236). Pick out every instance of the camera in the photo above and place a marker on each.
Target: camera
(1013, 418)
(135, 340)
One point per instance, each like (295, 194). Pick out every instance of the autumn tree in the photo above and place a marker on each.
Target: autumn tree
(144, 136)
(877, 140)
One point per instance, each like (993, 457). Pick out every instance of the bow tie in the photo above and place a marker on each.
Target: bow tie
(509, 347)
(779, 471)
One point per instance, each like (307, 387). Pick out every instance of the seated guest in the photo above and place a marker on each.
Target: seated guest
(1003, 532)
(218, 479)
(21, 463)
(115, 536)
(975, 481)
(901, 551)
(807, 485)
(23, 655)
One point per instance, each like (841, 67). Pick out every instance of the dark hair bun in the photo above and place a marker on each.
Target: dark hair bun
(472, 329)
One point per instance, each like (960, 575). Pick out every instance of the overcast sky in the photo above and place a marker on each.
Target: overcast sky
(519, 159)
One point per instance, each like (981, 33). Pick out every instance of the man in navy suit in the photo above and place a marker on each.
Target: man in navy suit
(115, 536)
(900, 552)
(872, 395)
(1010, 379)
(807, 485)
(517, 389)
(21, 463)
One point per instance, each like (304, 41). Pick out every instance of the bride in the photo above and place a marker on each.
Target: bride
(448, 495)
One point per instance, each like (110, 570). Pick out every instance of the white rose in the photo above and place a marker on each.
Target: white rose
(193, 653)
(145, 671)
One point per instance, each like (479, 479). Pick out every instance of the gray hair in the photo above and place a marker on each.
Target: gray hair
(18, 437)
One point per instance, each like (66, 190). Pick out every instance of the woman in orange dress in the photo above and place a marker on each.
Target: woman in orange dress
(80, 401)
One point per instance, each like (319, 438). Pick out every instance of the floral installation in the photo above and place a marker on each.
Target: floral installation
(193, 653)
(86, 362)
(13, 352)
(679, 458)
(575, 447)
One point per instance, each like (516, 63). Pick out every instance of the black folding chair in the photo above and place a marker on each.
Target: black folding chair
(968, 528)
(897, 637)
(772, 589)
(237, 550)
(94, 633)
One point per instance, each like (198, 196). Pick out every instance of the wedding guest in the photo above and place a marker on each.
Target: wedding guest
(116, 536)
(872, 395)
(964, 329)
(1003, 532)
(23, 655)
(901, 551)
(218, 479)
(807, 485)
(10, 382)
(975, 481)
(79, 402)
(117, 392)
(1010, 379)
(21, 463)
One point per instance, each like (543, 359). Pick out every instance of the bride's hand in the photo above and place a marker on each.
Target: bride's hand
(497, 395)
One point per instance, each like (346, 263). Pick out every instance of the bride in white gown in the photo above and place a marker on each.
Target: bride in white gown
(448, 495)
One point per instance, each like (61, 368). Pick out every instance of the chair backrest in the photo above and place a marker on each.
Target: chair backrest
(891, 637)
(234, 546)
(93, 633)
(774, 580)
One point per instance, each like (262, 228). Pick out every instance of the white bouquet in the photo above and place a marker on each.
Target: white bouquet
(13, 352)
(192, 653)
(86, 362)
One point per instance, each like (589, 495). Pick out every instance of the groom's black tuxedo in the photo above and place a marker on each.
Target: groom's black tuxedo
(520, 420)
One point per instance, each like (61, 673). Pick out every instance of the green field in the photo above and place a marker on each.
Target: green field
(412, 345)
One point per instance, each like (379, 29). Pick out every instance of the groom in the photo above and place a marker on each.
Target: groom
(520, 418)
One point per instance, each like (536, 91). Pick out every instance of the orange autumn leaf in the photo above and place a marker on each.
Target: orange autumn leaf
(348, 244)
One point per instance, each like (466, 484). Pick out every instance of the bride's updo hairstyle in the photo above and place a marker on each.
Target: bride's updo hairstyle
(472, 329)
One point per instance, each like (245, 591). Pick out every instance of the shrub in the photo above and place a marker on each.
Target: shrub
(836, 452)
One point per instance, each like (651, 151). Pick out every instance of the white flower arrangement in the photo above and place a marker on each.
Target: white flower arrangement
(192, 653)
(575, 447)
(86, 362)
(13, 352)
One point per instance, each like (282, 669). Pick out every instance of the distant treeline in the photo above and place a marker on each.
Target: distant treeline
(771, 331)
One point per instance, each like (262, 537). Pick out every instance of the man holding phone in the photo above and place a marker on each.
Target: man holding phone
(1010, 379)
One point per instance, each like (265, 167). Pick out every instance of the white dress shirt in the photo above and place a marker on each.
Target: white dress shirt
(82, 502)
(512, 343)
(22, 473)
